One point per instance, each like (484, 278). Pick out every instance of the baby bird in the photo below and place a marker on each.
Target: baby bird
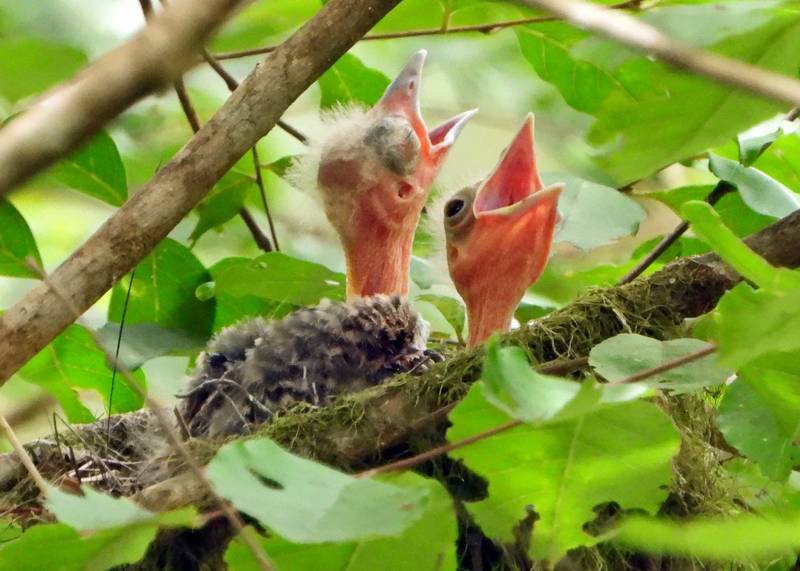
(498, 233)
(374, 171)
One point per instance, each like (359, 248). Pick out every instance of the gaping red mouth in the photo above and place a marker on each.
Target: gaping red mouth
(513, 184)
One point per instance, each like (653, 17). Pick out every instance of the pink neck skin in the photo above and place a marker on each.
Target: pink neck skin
(488, 314)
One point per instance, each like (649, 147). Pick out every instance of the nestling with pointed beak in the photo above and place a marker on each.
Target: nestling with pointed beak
(499, 232)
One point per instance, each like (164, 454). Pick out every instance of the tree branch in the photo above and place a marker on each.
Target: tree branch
(149, 215)
(488, 28)
(641, 36)
(72, 112)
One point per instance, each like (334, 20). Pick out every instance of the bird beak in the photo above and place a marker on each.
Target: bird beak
(402, 95)
(509, 243)
(443, 136)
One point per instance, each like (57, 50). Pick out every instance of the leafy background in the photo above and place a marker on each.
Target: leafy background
(633, 139)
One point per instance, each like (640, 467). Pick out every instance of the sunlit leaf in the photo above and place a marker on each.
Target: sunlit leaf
(16, 244)
(95, 169)
(760, 416)
(281, 278)
(306, 502)
(564, 469)
(73, 362)
(163, 292)
(350, 81)
(761, 193)
(684, 113)
(432, 537)
(31, 65)
(752, 144)
(743, 537)
(627, 354)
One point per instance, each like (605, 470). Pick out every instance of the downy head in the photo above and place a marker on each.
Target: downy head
(499, 234)
(374, 173)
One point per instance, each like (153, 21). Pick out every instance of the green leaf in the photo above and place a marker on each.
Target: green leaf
(31, 65)
(433, 539)
(306, 502)
(751, 144)
(627, 354)
(451, 309)
(262, 23)
(58, 546)
(16, 243)
(350, 81)
(223, 203)
(760, 416)
(752, 323)
(281, 278)
(683, 114)
(582, 84)
(95, 169)
(707, 224)
(579, 206)
(95, 510)
(744, 537)
(144, 341)
(163, 292)
(72, 362)
(231, 308)
(782, 161)
(763, 194)
(564, 469)
(282, 165)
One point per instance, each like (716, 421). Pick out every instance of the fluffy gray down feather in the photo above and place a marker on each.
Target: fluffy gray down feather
(254, 368)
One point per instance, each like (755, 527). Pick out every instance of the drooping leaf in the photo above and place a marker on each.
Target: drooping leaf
(684, 114)
(760, 416)
(763, 194)
(95, 511)
(627, 354)
(592, 214)
(564, 469)
(745, 537)
(163, 292)
(306, 502)
(16, 243)
(95, 169)
(72, 362)
(752, 323)
(30, 65)
(708, 225)
(752, 143)
(451, 309)
(223, 203)
(278, 277)
(350, 81)
(144, 341)
(432, 537)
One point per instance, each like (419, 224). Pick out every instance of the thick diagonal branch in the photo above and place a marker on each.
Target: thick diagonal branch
(252, 110)
(69, 114)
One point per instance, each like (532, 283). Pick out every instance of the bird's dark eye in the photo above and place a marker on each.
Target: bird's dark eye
(453, 207)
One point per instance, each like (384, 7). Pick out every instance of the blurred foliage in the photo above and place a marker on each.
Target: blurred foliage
(607, 116)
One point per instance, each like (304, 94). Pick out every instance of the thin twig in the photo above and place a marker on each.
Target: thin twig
(24, 456)
(644, 37)
(166, 427)
(488, 28)
(721, 189)
(232, 84)
(194, 122)
(665, 366)
(434, 452)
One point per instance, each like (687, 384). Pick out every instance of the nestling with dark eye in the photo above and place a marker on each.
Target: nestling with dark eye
(499, 234)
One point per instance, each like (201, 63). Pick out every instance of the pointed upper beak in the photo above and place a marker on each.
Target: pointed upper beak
(515, 180)
(402, 95)
(443, 136)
